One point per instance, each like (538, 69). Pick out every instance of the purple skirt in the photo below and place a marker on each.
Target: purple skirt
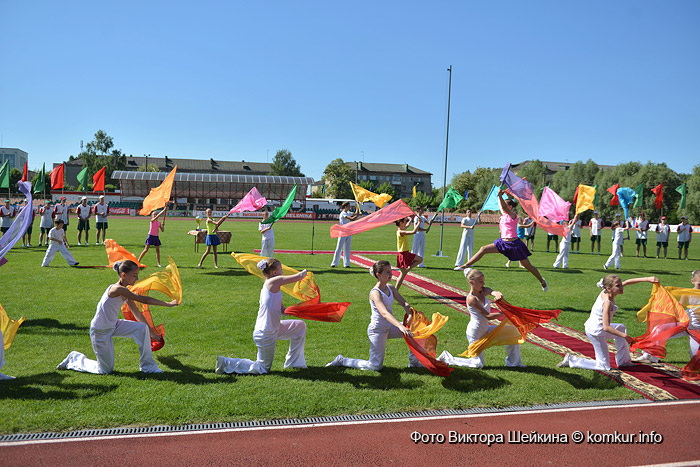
(153, 240)
(514, 250)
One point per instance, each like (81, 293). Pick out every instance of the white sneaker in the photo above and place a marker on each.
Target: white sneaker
(467, 271)
(545, 287)
(151, 370)
(79, 244)
(564, 362)
(97, 243)
(605, 266)
(64, 364)
(457, 268)
(337, 361)
(220, 363)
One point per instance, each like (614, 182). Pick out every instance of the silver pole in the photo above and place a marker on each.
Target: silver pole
(444, 180)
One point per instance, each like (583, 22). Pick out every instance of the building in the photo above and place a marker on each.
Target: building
(401, 177)
(16, 157)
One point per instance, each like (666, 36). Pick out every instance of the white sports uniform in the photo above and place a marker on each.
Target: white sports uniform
(268, 241)
(56, 245)
(563, 256)
(466, 245)
(269, 328)
(616, 248)
(477, 328)
(418, 247)
(103, 327)
(344, 243)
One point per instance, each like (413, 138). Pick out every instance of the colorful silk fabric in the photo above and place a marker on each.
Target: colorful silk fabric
(9, 327)
(116, 252)
(626, 197)
(553, 206)
(167, 282)
(393, 212)
(20, 225)
(362, 195)
(665, 317)
(424, 330)
(252, 201)
(281, 211)
(586, 195)
(160, 195)
(305, 290)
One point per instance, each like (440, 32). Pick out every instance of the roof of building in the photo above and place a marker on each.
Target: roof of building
(386, 168)
(211, 178)
(194, 165)
(553, 166)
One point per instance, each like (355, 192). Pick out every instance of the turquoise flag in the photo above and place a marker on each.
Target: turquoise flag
(491, 203)
(281, 211)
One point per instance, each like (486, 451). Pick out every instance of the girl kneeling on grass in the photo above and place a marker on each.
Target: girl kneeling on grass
(269, 328)
(383, 325)
(479, 307)
(599, 328)
(106, 325)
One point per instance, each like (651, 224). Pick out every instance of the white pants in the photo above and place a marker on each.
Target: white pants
(293, 330)
(513, 357)
(563, 257)
(602, 355)
(268, 248)
(466, 247)
(56, 248)
(615, 256)
(103, 346)
(377, 349)
(344, 246)
(418, 247)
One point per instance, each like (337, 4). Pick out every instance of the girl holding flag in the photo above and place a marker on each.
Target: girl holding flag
(509, 245)
(153, 233)
(212, 238)
(405, 260)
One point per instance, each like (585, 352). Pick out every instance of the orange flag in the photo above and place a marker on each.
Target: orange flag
(424, 343)
(116, 252)
(98, 180)
(57, 177)
(159, 196)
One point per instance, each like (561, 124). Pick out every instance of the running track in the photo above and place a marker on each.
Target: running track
(389, 442)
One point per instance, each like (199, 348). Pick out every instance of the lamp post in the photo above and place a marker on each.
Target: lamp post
(444, 180)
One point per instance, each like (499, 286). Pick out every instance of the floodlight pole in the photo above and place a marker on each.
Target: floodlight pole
(444, 180)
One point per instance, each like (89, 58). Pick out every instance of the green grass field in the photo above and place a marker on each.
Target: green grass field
(217, 317)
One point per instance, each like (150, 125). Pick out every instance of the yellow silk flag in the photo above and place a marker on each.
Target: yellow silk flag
(414, 191)
(9, 327)
(116, 252)
(679, 293)
(160, 195)
(362, 195)
(423, 328)
(584, 201)
(504, 334)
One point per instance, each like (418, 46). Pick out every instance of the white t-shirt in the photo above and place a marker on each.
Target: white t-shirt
(344, 217)
(57, 235)
(100, 212)
(684, 232)
(466, 233)
(420, 221)
(268, 235)
(62, 212)
(46, 221)
(662, 232)
(7, 212)
(643, 225)
(529, 230)
(596, 226)
(83, 211)
(269, 311)
(576, 230)
(618, 236)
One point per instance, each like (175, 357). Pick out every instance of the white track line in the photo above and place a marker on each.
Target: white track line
(354, 422)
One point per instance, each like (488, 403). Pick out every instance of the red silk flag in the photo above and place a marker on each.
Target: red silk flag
(424, 347)
(57, 177)
(613, 191)
(659, 192)
(98, 180)
(525, 319)
(575, 196)
(160, 195)
(393, 212)
(24, 173)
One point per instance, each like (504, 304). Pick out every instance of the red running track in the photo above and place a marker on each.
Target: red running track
(671, 427)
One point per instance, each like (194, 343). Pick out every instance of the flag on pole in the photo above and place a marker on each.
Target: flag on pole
(98, 180)
(491, 203)
(553, 206)
(5, 175)
(24, 173)
(596, 199)
(575, 197)
(639, 190)
(466, 194)
(586, 194)
(683, 190)
(40, 184)
(658, 190)
(451, 200)
(626, 196)
(414, 191)
(83, 178)
(252, 201)
(281, 211)
(362, 195)
(160, 195)
(57, 177)
(613, 191)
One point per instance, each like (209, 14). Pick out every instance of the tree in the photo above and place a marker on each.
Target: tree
(285, 165)
(367, 185)
(337, 177)
(148, 168)
(97, 154)
(693, 197)
(479, 185)
(15, 176)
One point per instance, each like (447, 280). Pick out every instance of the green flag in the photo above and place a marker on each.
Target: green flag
(683, 190)
(5, 175)
(595, 198)
(639, 200)
(40, 181)
(83, 178)
(281, 211)
(451, 200)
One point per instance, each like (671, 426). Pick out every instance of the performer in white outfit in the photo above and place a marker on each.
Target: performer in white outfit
(596, 225)
(663, 230)
(58, 243)
(564, 245)
(46, 221)
(106, 325)
(269, 328)
(344, 243)
(419, 223)
(383, 325)
(641, 225)
(268, 238)
(7, 212)
(599, 328)
(83, 211)
(618, 238)
(576, 235)
(63, 212)
(466, 245)
(480, 313)
(101, 214)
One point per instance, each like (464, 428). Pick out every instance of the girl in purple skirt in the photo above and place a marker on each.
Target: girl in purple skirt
(509, 245)
(153, 232)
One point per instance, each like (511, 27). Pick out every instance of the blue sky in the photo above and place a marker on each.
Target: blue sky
(555, 80)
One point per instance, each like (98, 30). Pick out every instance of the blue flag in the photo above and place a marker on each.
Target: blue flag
(491, 203)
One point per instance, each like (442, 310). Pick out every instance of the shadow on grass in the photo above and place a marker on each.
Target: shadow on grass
(224, 272)
(29, 325)
(386, 379)
(471, 380)
(51, 385)
(577, 378)
(340, 270)
(181, 374)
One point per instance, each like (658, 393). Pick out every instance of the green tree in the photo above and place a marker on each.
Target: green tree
(98, 153)
(479, 185)
(148, 168)
(284, 164)
(535, 173)
(337, 177)
(367, 185)
(15, 176)
(692, 205)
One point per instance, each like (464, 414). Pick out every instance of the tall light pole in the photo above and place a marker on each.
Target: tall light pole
(447, 141)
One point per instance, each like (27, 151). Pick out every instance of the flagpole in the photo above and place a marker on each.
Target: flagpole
(444, 180)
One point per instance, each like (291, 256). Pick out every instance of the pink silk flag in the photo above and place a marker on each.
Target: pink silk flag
(553, 206)
(393, 212)
(250, 202)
